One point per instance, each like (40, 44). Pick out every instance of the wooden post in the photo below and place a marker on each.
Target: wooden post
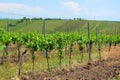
(98, 44)
(89, 51)
(8, 26)
(44, 26)
(47, 58)
(33, 60)
(68, 30)
(19, 61)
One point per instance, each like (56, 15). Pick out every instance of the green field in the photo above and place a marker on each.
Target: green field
(60, 25)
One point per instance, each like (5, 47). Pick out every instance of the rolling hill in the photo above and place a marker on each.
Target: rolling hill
(60, 25)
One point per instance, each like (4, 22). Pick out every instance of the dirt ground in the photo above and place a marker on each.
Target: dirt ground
(96, 70)
(105, 69)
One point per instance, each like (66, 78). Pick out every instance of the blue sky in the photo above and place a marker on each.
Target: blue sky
(88, 9)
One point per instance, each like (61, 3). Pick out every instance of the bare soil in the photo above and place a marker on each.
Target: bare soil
(108, 68)
(96, 70)
(105, 69)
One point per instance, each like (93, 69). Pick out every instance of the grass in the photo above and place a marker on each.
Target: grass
(61, 26)
(4, 22)
(9, 70)
(117, 78)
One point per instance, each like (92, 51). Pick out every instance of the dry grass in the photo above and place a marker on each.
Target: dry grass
(113, 53)
(10, 69)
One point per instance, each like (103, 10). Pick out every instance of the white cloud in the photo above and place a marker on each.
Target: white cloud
(74, 7)
(20, 9)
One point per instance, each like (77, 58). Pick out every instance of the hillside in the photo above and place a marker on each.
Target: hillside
(60, 25)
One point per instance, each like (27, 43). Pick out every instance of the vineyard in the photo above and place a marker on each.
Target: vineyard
(60, 44)
(59, 40)
(53, 26)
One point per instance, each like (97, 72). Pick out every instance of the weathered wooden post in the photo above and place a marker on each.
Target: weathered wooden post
(98, 44)
(89, 43)
(44, 27)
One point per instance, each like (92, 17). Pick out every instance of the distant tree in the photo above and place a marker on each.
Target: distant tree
(24, 18)
(36, 18)
(53, 19)
(79, 19)
(74, 18)
(27, 19)
(40, 19)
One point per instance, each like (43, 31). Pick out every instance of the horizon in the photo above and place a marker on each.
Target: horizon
(65, 9)
(56, 18)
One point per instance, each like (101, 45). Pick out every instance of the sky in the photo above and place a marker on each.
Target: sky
(66, 9)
